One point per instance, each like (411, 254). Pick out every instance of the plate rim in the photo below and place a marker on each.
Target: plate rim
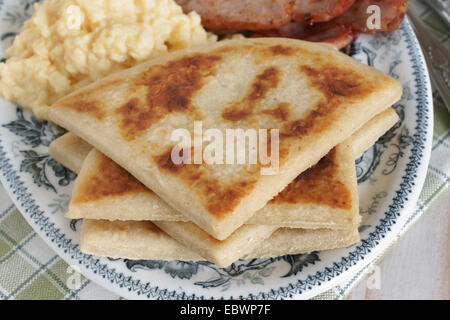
(117, 282)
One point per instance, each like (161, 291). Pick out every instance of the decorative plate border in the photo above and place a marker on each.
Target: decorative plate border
(412, 180)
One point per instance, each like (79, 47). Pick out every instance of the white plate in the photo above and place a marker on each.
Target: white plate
(390, 175)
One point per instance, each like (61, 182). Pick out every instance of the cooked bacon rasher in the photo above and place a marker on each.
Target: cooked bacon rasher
(330, 32)
(392, 14)
(334, 21)
(220, 15)
(313, 11)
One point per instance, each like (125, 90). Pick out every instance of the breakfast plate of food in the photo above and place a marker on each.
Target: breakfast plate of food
(194, 150)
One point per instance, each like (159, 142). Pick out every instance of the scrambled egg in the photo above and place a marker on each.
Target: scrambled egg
(68, 44)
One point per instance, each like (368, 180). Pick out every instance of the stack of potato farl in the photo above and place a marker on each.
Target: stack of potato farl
(138, 203)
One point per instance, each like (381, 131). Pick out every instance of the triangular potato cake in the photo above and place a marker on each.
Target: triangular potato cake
(222, 252)
(324, 196)
(314, 95)
(144, 240)
(365, 137)
(95, 200)
(70, 151)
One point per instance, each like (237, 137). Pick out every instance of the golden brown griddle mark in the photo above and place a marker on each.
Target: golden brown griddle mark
(301, 127)
(266, 81)
(85, 101)
(318, 185)
(339, 86)
(221, 198)
(108, 180)
(171, 88)
(90, 107)
(261, 52)
(282, 50)
(280, 112)
(217, 196)
(135, 118)
(265, 54)
(336, 82)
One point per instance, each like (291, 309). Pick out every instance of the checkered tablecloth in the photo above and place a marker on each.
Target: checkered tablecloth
(29, 269)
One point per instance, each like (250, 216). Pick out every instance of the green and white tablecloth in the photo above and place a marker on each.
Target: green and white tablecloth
(29, 269)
